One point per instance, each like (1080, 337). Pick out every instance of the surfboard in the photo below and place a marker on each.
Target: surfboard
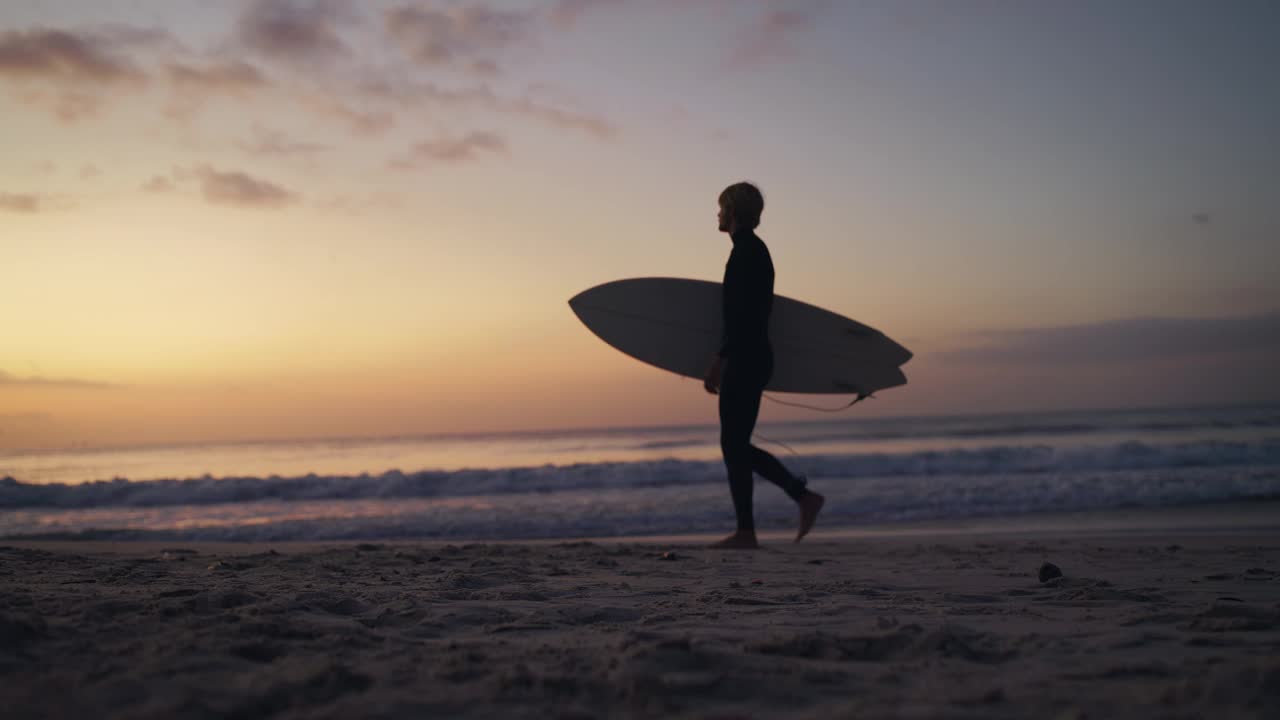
(675, 324)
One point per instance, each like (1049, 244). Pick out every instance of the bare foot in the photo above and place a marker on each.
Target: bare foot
(810, 505)
(737, 541)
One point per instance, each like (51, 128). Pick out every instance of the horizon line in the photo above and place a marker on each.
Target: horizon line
(570, 430)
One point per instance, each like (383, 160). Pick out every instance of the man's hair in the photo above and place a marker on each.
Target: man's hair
(745, 204)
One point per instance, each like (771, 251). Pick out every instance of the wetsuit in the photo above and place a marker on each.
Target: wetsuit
(748, 364)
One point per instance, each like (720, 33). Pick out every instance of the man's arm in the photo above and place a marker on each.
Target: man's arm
(712, 381)
(731, 309)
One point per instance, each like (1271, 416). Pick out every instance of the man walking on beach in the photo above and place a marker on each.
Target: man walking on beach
(743, 365)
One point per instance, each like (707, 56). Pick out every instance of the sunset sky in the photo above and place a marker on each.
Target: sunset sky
(278, 219)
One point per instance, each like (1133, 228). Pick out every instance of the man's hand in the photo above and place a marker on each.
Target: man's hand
(712, 381)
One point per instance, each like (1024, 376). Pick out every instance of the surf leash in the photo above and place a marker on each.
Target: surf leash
(853, 402)
(775, 442)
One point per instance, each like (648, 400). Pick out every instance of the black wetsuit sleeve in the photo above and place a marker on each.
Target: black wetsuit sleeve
(748, 296)
(724, 332)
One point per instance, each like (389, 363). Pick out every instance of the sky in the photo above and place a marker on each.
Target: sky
(269, 219)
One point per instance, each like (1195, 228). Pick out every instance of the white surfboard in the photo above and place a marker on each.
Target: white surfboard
(675, 324)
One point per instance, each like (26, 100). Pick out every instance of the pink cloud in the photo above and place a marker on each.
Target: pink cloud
(75, 75)
(359, 121)
(773, 33)
(69, 106)
(242, 190)
(275, 142)
(295, 31)
(486, 67)
(193, 85)
(482, 96)
(453, 150)
(59, 55)
(64, 72)
(559, 117)
(159, 184)
(568, 12)
(20, 202)
(231, 76)
(459, 36)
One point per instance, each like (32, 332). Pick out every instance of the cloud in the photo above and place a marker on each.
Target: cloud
(241, 190)
(64, 72)
(139, 38)
(235, 76)
(192, 85)
(568, 12)
(359, 204)
(73, 107)
(1127, 340)
(159, 184)
(452, 150)
(294, 31)
(60, 55)
(34, 203)
(20, 202)
(482, 96)
(275, 142)
(75, 75)
(772, 34)
(10, 379)
(558, 117)
(360, 122)
(484, 66)
(458, 36)
(43, 168)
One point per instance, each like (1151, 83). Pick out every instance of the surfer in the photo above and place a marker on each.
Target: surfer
(743, 365)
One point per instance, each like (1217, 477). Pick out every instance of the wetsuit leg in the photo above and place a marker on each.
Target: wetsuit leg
(740, 391)
(768, 467)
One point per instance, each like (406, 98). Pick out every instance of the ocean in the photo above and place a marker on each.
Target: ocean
(639, 481)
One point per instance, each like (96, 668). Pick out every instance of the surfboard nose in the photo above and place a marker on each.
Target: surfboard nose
(581, 302)
(577, 300)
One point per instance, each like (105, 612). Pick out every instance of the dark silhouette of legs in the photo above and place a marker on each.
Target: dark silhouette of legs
(740, 390)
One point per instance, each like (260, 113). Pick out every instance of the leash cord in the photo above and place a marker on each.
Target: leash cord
(855, 401)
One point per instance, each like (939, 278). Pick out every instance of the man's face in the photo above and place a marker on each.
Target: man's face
(724, 218)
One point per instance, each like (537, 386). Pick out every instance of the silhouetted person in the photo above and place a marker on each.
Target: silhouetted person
(743, 365)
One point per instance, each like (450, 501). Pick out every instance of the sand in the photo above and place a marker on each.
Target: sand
(930, 624)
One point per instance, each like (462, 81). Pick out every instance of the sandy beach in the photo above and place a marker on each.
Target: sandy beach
(927, 622)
